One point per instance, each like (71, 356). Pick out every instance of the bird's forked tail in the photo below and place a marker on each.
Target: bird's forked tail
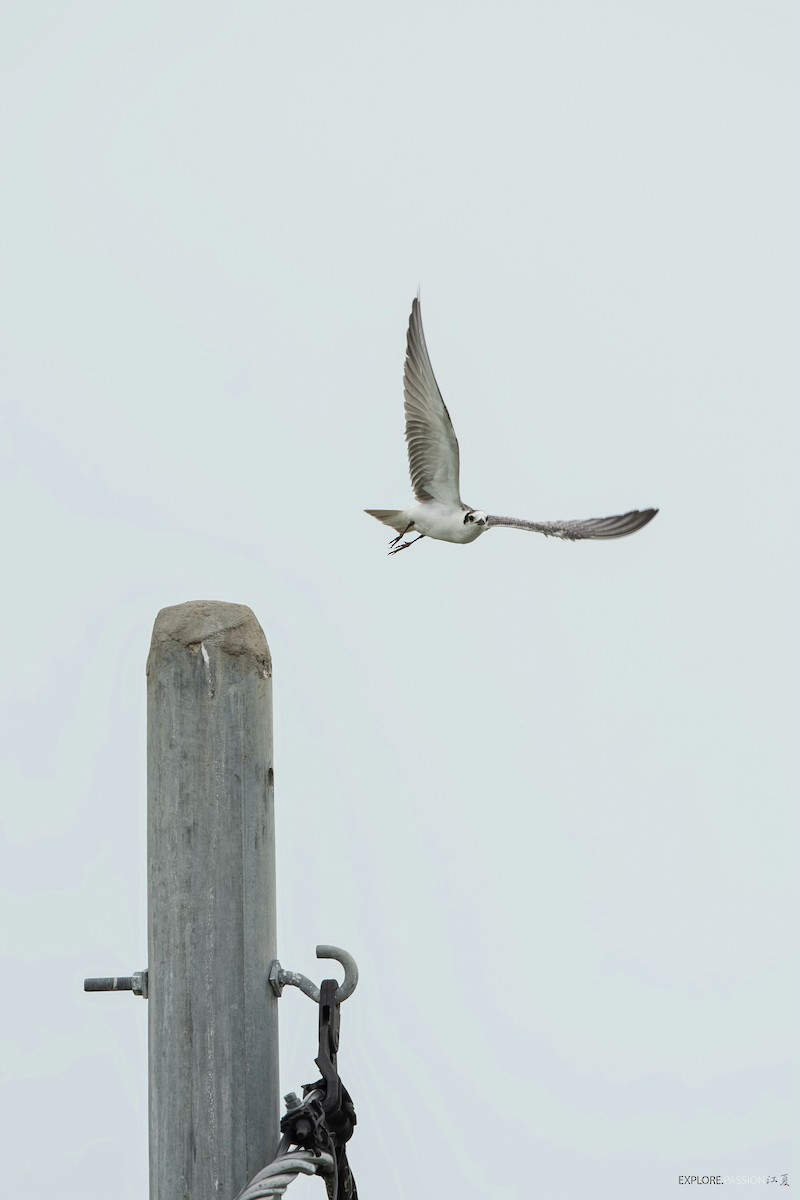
(393, 517)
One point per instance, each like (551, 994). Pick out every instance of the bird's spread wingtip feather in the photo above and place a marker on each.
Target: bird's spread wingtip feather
(597, 528)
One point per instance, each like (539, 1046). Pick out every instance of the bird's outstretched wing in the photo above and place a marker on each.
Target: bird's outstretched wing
(573, 531)
(432, 445)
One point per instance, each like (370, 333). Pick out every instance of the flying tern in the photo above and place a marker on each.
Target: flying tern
(433, 461)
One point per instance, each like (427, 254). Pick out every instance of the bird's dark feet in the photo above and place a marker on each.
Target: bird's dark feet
(405, 545)
(400, 536)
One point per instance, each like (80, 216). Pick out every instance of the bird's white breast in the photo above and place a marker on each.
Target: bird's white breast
(443, 523)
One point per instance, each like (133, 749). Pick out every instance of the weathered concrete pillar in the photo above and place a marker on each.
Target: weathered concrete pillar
(213, 1022)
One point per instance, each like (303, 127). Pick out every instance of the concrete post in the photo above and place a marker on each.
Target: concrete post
(213, 1022)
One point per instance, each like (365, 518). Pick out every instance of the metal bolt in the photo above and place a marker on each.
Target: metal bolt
(136, 983)
(275, 980)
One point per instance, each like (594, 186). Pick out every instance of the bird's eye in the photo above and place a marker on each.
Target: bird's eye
(469, 517)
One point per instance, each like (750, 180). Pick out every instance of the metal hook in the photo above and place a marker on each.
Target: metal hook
(279, 978)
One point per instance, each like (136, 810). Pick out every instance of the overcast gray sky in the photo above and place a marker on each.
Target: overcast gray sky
(540, 790)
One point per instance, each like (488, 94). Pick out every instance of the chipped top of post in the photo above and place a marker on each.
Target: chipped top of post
(232, 628)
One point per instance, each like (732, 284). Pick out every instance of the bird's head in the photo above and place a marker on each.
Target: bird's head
(475, 517)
